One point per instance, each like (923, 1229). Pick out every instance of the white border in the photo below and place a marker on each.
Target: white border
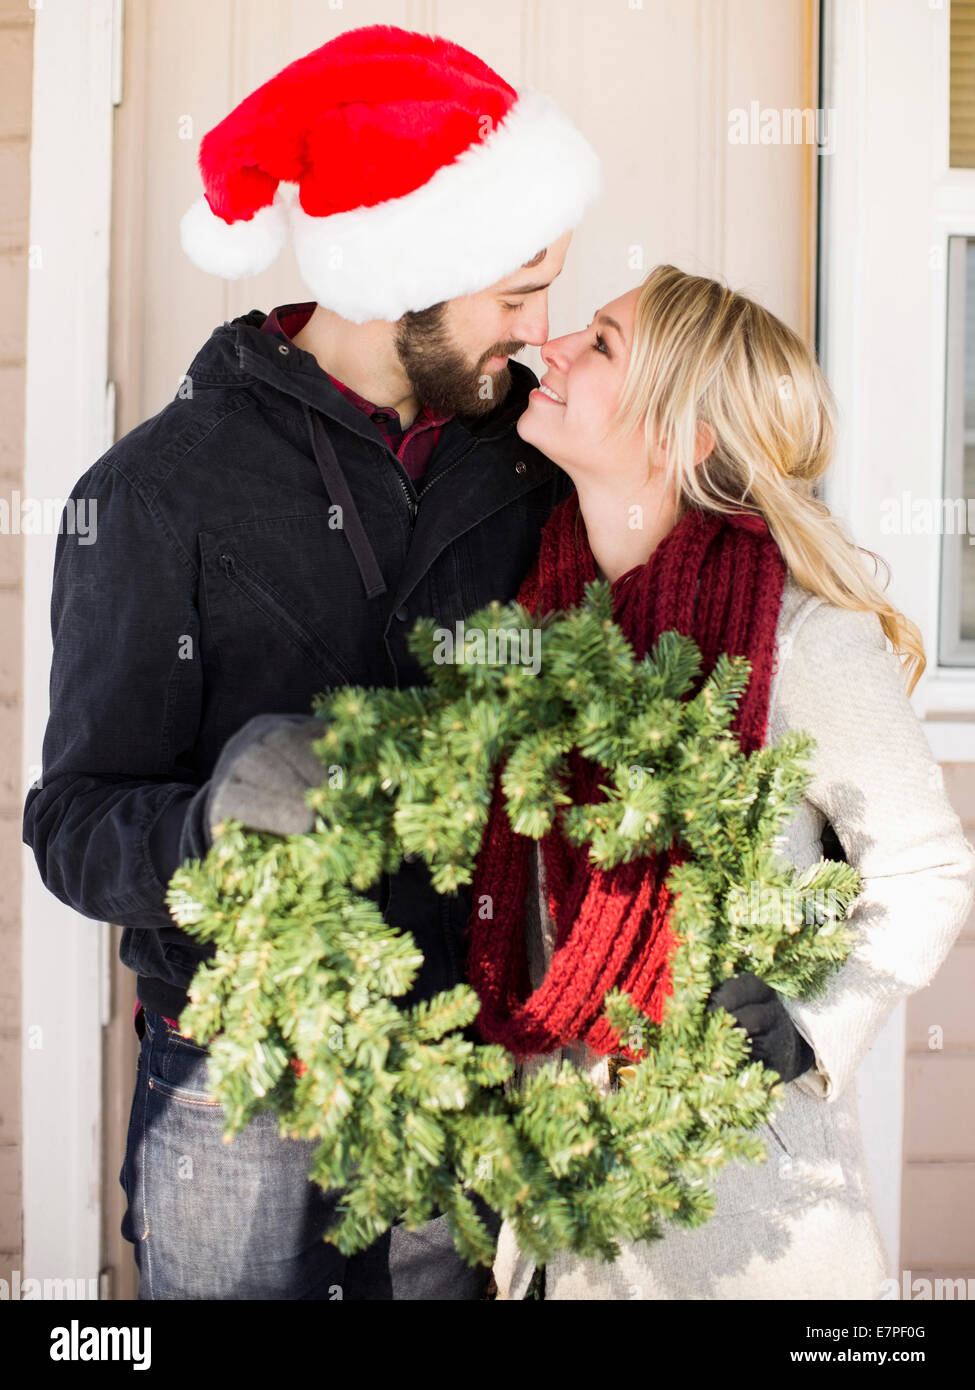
(63, 954)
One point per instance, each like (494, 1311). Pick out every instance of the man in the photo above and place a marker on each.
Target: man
(327, 474)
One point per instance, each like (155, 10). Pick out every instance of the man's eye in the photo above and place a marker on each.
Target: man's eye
(512, 306)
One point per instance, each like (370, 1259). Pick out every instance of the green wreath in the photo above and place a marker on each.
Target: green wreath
(410, 1113)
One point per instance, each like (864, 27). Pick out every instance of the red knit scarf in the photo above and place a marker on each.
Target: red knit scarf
(719, 580)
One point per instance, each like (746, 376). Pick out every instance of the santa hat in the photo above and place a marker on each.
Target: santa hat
(404, 170)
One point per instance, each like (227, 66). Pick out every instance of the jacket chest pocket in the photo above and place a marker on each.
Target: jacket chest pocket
(285, 621)
(280, 611)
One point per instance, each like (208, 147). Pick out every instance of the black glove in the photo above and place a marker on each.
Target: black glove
(832, 849)
(757, 1008)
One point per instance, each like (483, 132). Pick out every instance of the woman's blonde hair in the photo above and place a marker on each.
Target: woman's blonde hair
(703, 354)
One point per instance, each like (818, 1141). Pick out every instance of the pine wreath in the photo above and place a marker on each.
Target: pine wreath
(411, 1114)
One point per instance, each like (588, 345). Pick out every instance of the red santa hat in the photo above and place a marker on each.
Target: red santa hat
(404, 170)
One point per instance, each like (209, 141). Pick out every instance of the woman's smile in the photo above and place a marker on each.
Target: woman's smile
(547, 393)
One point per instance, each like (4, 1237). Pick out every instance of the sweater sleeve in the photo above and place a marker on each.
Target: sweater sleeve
(876, 781)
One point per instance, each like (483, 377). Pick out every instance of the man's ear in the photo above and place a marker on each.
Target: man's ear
(704, 443)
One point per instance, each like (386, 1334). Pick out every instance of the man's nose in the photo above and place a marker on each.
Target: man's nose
(533, 327)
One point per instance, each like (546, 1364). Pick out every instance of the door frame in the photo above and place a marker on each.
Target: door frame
(65, 957)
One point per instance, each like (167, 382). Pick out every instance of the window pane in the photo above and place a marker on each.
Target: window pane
(958, 534)
(966, 407)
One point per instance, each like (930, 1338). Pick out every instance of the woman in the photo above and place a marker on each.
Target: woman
(694, 425)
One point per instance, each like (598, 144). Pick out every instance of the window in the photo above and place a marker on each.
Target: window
(957, 645)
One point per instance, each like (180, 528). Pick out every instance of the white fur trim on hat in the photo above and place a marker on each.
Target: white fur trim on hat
(234, 249)
(475, 221)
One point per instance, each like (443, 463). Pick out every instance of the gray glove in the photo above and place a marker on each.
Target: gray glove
(260, 779)
(263, 772)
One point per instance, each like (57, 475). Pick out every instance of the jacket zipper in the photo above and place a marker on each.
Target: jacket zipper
(411, 503)
(406, 483)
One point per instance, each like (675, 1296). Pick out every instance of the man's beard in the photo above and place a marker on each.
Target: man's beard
(440, 377)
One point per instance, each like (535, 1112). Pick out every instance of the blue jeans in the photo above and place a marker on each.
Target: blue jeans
(242, 1220)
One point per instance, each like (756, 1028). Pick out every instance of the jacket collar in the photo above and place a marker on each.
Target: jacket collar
(238, 353)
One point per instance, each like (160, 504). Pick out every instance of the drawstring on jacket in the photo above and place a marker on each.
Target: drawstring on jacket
(340, 496)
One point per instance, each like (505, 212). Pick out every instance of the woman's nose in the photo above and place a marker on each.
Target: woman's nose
(557, 352)
(562, 352)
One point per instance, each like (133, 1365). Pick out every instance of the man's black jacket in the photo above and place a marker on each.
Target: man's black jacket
(257, 542)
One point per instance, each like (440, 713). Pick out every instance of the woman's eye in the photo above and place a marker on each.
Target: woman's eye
(511, 306)
(600, 346)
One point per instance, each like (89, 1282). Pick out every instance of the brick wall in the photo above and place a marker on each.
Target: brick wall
(16, 62)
